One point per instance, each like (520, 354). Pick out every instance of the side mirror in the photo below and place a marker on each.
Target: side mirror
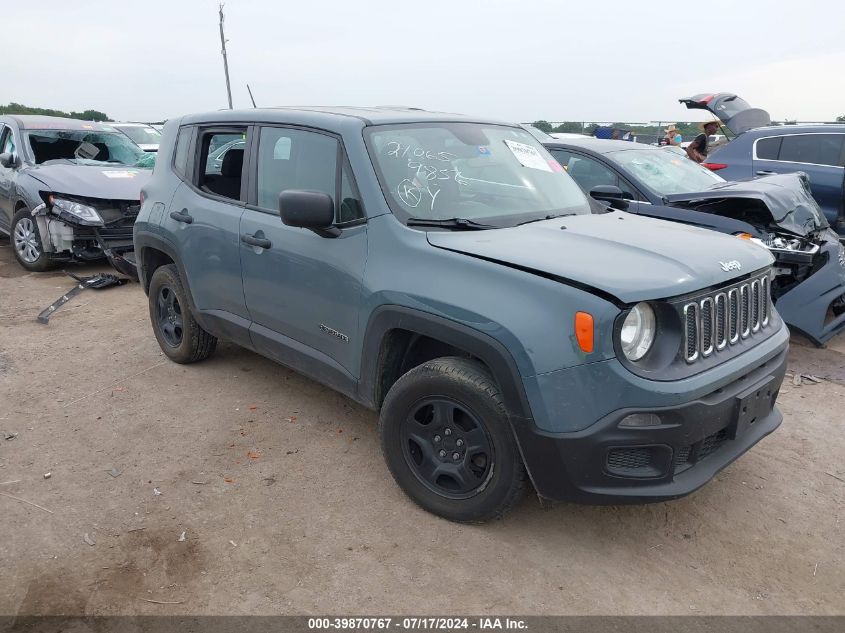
(312, 210)
(610, 194)
(8, 160)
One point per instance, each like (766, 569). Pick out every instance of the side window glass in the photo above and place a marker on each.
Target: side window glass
(222, 160)
(563, 157)
(8, 142)
(350, 203)
(628, 191)
(180, 154)
(830, 148)
(295, 159)
(802, 148)
(769, 148)
(589, 173)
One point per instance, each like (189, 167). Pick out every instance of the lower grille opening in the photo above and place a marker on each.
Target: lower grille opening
(636, 461)
(686, 456)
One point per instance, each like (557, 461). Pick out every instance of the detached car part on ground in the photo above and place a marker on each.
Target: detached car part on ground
(446, 272)
(69, 191)
(776, 212)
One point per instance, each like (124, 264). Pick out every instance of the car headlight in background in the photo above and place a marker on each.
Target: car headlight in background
(638, 331)
(85, 214)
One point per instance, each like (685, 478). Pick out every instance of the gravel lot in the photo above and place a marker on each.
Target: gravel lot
(286, 506)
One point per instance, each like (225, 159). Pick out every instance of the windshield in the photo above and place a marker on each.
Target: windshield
(142, 135)
(86, 148)
(495, 174)
(665, 171)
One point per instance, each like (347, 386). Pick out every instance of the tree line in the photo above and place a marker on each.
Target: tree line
(688, 129)
(85, 115)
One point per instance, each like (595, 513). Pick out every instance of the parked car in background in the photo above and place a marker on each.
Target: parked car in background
(446, 272)
(777, 212)
(144, 136)
(761, 150)
(69, 189)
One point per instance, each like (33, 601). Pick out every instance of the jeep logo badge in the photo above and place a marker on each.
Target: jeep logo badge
(731, 265)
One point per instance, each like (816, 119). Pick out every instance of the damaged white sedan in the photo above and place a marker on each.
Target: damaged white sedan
(69, 190)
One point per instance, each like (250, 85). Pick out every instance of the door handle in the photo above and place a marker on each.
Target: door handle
(260, 242)
(182, 216)
(764, 172)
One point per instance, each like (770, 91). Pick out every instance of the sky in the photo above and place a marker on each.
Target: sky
(558, 60)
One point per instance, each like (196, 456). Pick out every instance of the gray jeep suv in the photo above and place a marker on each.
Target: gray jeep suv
(448, 273)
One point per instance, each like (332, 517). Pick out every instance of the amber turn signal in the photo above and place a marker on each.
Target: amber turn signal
(584, 331)
(744, 236)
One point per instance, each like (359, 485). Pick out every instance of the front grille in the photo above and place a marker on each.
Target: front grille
(723, 318)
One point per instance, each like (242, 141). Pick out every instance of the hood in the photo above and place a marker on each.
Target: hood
(730, 109)
(782, 198)
(630, 257)
(108, 182)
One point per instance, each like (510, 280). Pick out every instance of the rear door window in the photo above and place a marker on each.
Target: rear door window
(817, 149)
(221, 162)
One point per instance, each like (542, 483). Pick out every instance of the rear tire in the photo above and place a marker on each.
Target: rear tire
(447, 440)
(179, 335)
(26, 243)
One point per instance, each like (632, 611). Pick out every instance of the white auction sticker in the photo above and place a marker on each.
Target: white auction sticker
(528, 156)
(120, 174)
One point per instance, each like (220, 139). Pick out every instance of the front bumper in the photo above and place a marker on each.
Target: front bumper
(606, 463)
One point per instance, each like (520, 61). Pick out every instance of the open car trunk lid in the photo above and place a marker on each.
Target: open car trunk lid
(737, 115)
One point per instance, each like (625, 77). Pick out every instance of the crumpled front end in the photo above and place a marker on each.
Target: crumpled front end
(809, 284)
(77, 228)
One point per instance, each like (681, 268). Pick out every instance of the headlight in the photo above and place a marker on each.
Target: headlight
(82, 212)
(638, 331)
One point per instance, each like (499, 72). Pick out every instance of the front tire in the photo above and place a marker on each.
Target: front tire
(448, 443)
(26, 243)
(179, 335)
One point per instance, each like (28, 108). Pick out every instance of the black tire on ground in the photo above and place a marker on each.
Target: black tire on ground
(179, 335)
(24, 226)
(481, 476)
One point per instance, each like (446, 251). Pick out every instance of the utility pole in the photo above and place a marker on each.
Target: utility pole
(225, 61)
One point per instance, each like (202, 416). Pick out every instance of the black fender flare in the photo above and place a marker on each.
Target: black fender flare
(533, 450)
(483, 346)
(144, 240)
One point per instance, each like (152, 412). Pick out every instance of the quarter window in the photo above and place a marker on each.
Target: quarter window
(295, 159)
(350, 203)
(769, 148)
(180, 155)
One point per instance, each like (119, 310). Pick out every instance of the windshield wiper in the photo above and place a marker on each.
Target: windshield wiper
(548, 217)
(461, 224)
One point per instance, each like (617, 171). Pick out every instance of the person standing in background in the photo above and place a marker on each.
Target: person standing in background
(697, 150)
(672, 137)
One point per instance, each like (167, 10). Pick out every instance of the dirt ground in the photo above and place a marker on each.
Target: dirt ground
(278, 487)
